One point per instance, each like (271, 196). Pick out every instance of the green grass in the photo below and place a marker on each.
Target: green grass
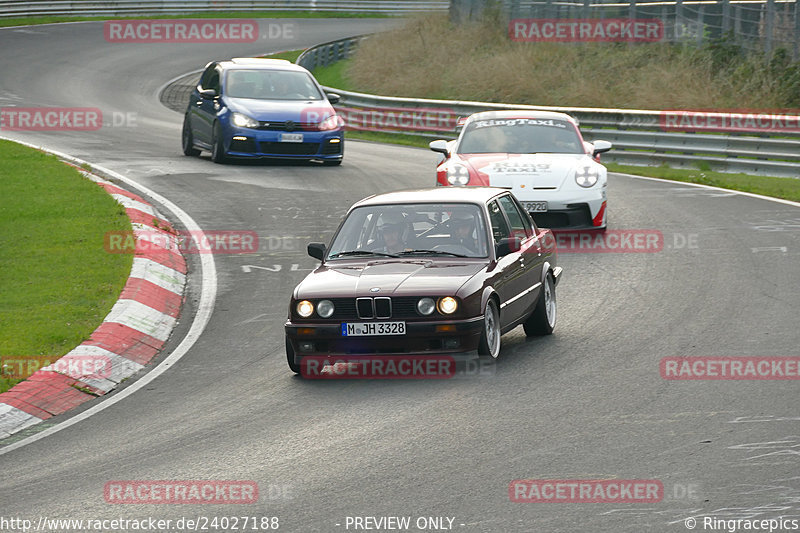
(786, 188)
(57, 282)
(50, 19)
(335, 75)
(289, 55)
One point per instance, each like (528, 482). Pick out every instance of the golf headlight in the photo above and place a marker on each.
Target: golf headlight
(325, 308)
(457, 175)
(448, 305)
(586, 176)
(243, 121)
(331, 123)
(305, 308)
(425, 306)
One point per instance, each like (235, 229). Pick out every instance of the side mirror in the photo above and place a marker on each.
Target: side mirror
(333, 98)
(208, 94)
(601, 147)
(508, 245)
(439, 145)
(317, 250)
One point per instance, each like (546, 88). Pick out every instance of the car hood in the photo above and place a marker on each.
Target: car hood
(279, 110)
(526, 171)
(392, 277)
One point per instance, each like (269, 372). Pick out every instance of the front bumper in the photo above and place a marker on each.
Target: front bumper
(421, 338)
(584, 211)
(253, 143)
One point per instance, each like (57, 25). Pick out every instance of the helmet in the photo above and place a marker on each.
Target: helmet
(391, 220)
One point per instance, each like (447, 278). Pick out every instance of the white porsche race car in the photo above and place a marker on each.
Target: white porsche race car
(540, 156)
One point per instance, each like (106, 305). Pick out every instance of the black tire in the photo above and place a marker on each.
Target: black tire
(218, 145)
(187, 141)
(290, 357)
(490, 337)
(543, 319)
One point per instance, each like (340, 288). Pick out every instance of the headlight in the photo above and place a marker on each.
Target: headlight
(425, 306)
(243, 121)
(305, 308)
(325, 308)
(457, 175)
(448, 305)
(586, 176)
(331, 123)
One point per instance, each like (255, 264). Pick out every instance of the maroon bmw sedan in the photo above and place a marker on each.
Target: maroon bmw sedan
(425, 272)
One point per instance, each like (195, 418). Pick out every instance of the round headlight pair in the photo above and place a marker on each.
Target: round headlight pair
(446, 305)
(324, 308)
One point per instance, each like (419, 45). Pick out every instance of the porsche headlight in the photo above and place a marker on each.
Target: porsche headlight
(325, 308)
(426, 306)
(457, 175)
(305, 308)
(243, 121)
(586, 176)
(448, 305)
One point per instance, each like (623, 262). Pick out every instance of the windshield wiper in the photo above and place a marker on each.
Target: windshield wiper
(438, 252)
(360, 252)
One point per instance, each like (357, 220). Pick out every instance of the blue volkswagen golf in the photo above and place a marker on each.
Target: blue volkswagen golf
(249, 108)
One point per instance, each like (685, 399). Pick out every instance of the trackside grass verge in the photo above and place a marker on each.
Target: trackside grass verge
(26, 21)
(786, 188)
(57, 282)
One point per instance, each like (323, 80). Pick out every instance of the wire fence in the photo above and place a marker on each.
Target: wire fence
(763, 25)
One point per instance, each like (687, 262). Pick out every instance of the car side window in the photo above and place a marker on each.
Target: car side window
(499, 225)
(520, 224)
(205, 79)
(213, 82)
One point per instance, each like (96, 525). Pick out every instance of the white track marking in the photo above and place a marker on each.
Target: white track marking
(208, 294)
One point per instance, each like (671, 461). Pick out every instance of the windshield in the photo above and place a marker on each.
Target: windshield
(271, 85)
(520, 136)
(405, 230)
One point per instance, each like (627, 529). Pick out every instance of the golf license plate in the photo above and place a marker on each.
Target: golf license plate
(535, 207)
(291, 137)
(365, 329)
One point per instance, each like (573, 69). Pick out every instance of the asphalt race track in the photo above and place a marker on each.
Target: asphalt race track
(587, 403)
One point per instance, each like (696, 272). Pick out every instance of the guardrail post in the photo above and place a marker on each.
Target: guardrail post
(769, 29)
(726, 17)
(701, 27)
(797, 30)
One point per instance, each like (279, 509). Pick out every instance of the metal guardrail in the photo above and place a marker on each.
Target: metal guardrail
(639, 137)
(10, 9)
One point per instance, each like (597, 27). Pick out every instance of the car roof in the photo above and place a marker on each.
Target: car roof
(260, 63)
(520, 113)
(472, 195)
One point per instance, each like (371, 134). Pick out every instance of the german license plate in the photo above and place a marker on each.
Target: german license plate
(291, 137)
(535, 207)
(364, 329)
